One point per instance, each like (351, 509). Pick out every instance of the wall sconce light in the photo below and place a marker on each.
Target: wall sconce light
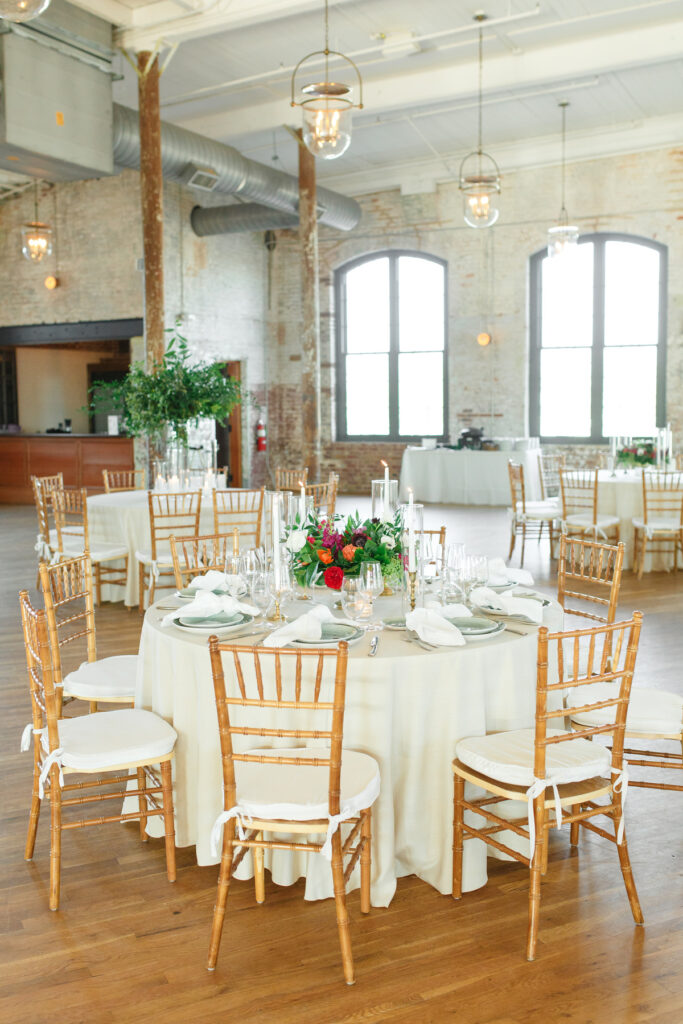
(483, 339)
(51, 282)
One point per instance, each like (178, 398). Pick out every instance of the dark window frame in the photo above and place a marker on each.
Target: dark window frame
(599, 240)
(340, 346)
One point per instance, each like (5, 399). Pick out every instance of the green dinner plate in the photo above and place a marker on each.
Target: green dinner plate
(471, 625)
(221, 619)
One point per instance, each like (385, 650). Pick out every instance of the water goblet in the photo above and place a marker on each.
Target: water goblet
(356, 600)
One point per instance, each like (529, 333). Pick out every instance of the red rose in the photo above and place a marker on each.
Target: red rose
(334, 577)
(311, 540)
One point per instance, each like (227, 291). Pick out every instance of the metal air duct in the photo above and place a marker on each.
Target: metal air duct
(236, 175)
(226, 220)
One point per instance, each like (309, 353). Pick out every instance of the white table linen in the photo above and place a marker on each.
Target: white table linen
(465, 477)
(406, 707)
(122, 517)
(622, 496)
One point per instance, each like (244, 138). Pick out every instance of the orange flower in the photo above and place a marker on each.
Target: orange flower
(325, 556)
(348, 552)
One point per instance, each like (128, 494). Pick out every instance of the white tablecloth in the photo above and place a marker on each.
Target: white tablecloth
(465, 477)
(123, 518)
(406, 707)
(622, 495)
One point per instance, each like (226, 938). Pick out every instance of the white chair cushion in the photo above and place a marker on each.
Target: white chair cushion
(509, 757)
(585, 519)
(97, 742)
(546, 510)
(103, 552)
(649, 711)
(298, 793)
(662, 524)
(164, 557)
(107, 677)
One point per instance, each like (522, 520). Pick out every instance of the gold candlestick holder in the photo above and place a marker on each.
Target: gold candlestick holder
(412, 588)
(277, 615)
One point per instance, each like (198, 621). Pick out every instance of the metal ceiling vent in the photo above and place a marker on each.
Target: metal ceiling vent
(204, 178)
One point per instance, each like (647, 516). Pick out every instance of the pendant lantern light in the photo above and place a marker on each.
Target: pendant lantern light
(479, 173)
(326, 106)
(36, 237)
(563, 237)
(22, 10)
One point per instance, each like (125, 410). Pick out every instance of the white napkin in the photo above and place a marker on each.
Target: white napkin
(518, 607)
(219, 583)
(449, 611)
(431, 627)
(306, 627)
(500, 574)
(206, 604)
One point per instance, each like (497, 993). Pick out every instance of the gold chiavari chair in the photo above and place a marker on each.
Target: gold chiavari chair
(317, 788)
(435, 553)
(123, 480)
(580, 516)
(590, 573)
(170, 514)
(549, 466)
(194, 556)
(46, 538)
(68, 599)
(551, 769)
(324, 495)
(660, 528)
(73, 539)
(290, 479)
(241, 509)
(129, 742)
(528, 518)
(678, 459)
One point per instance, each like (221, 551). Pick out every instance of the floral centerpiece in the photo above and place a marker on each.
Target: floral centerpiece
(641, 452)
(328, 550)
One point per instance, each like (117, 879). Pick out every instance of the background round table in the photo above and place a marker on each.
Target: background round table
(407, 707)
(123, 518)
(621, 495)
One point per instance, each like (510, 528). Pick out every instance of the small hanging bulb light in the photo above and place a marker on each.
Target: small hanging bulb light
(22, 10)
(36, 237)
(326, 106)
(479, 173)
(563, 237)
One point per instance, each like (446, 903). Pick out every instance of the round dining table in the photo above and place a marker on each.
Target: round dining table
(407, 707)
(621, 494)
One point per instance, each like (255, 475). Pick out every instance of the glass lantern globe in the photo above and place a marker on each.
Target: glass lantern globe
(480, 208)
(36, 241)
(480, 187)
(327, 125)
(22, 10)
(562, 239)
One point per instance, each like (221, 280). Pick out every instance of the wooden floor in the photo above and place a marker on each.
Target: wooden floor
(127, 947)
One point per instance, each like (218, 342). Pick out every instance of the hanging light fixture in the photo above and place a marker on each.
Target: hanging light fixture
(563, 236)
(22, 10)
(479, 173)
(36, 237)
(326, 106)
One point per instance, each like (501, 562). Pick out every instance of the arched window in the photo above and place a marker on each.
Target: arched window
(598, 340)
(391, 347)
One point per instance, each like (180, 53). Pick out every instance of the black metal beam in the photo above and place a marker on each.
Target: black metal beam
(86, 330)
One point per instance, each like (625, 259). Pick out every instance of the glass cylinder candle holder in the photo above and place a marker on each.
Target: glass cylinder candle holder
(412, 516)
(384, 500)
(298, 509)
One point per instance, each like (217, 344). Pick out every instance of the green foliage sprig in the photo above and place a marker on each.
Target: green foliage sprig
(176, 393)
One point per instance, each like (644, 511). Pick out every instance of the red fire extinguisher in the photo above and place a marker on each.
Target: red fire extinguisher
(260, 436)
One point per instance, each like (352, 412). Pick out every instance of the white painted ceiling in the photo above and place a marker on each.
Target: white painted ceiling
(618, 62)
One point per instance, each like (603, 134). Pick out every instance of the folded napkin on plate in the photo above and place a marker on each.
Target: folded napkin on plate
(449, 611)
(505, 604)
(500, 574)
(206, 604)
(219, 583)
(431, 627)
(306, 627)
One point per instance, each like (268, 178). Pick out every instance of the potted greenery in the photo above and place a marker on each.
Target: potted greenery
(176, 393)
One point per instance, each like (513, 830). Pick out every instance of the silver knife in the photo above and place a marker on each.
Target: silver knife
(374, 643)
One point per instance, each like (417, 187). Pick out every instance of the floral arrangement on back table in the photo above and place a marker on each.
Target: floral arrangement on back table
(327, 551)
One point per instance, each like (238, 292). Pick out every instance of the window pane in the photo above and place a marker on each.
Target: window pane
(629, 391)
(566, 393)
(631, 294)
(421, 304)
(367, 394)
(567, 299)
(420, 395)
(367, 307)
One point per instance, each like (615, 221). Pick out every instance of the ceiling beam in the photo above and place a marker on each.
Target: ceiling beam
(508, 72)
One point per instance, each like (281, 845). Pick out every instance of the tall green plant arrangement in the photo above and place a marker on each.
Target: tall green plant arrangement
(176, 393)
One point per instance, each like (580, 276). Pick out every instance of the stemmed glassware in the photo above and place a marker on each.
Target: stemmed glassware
(357, 600)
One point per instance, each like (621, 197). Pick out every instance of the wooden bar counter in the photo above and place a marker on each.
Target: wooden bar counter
(80, 457)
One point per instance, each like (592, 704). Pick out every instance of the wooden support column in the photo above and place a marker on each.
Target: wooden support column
(310, 310)
(151, 194)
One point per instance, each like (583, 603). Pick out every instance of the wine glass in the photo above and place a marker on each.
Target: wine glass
(356, 600)
(371, 577)
(477, 574)
(262, 591)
